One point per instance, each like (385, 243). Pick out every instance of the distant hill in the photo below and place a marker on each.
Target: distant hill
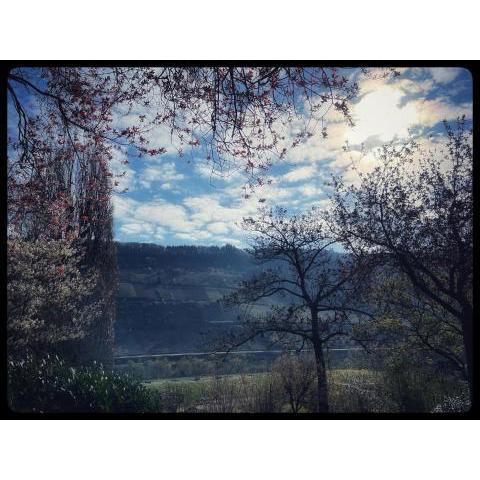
(167, 296)
(167, 300)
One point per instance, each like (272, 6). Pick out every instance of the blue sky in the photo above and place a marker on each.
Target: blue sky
(174, 200)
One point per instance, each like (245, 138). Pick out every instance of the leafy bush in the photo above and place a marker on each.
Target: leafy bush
(418, 386)
(50, 385)
(49, 296)
(359, 390)
(456, 403)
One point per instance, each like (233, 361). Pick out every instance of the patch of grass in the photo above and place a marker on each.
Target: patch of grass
(350, 390)
(195, 391)
(347, 389)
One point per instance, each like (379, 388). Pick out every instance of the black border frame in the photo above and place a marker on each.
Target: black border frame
(6, 413)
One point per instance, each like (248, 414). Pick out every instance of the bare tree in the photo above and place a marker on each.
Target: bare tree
(415, 212)
(297, 374)
(318, 286)
(222, 393)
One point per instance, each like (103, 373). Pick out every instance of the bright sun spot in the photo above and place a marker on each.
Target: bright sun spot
(378, 114)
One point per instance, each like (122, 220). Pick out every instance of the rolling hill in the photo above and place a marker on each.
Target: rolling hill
(167, 296)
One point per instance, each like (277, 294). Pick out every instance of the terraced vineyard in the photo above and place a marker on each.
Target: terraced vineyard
(167, 299)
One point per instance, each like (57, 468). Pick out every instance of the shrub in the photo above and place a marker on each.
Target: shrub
(418, 386)
(221, 394)
(49, 297)
(297, 374)
(359, 390)
(261, 394)
(456, 403)
(49, 385)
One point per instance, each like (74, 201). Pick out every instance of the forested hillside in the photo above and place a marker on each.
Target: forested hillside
(167, 296)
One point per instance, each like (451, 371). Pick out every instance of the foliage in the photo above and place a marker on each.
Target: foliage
(415, 384)
(414, 213)
(401, 386)
(48, 295)
(58, 195)
(359, 390)
(194, 366)
(395, 381)
(451, 404)
(251, 393)
(410, 323)
(350, 390)
(50, 385)
(415, 388)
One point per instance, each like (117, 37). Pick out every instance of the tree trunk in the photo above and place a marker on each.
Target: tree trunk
(467, 330)
(322, 390)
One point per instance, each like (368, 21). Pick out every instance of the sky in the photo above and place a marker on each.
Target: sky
(177, 201)
(174, 200)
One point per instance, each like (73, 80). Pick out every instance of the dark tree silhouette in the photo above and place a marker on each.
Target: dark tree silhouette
(319, 287)
(415, 211)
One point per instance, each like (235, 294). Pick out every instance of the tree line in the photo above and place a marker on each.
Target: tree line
(193, 256)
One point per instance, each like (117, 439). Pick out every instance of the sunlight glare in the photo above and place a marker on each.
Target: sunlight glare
(378, 114)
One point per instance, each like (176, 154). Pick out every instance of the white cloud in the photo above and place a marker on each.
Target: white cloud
(201, 218)
(317, 149)
(123, 206)
(386, 110)
(444, 74)
(209, 208)
(414, 87)
(158, 136)
(380, 115)
(204, 170)
(214, 174)
(218, 227)
(232, 241)
(194, 236)
(137, 228)
(164, 214)
(298, 174)
(309, 190)
(430, 112)
(163, 172)
(351, 163)
(119, 166)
